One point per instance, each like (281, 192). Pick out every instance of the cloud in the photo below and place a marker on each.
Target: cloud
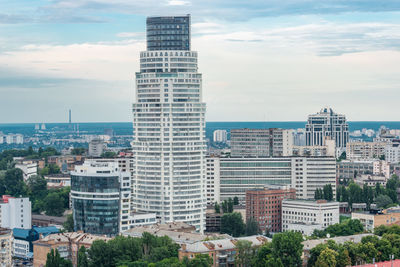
(178, 3)
(132, 35)
(231, 10)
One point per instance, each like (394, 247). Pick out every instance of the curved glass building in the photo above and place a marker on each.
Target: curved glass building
(96, 197)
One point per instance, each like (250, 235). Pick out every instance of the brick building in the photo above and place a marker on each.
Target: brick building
(265, 206)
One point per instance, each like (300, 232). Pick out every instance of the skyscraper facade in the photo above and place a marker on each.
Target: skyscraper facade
(327, 124)
(169, 144)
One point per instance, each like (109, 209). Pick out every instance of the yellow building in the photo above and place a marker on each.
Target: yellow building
(5, 247)
(371, 221)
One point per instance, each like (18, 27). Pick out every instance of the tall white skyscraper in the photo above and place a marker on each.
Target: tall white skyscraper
(169, 144)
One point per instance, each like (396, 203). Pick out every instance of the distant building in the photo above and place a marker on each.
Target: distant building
(28, 167)
(347, 169)
(67, 244)
(15, 212)
(327, 123)
(66, 163)
(6, 247)
(58, 180)
(307, 216)
(265, 206)
(392, 152)
(261, 142)
(213, 180)
(328, 150)
(220, 136)
(305, 174)
(365, 150)
(96, 147)
(222, 251)
(371, 221)
(99, 188)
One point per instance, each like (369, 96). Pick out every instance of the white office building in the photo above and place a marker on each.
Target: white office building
(305, 174)
(220, 136)
(326, 123)
(169, 143)
(307, 216)
(15, 213)
(213, 181)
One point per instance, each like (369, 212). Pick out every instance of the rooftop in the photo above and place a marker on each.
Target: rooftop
(73, 237)
(310, 244)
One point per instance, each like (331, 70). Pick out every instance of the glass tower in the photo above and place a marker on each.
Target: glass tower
(169, 126)
(168, 33)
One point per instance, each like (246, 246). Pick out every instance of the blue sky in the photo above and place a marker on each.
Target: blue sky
(261, 60)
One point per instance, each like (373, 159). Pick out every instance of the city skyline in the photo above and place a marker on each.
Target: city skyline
(297, 57)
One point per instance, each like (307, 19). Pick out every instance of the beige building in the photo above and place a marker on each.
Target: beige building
(221, 251)
(67, 245)
(5, 247)
(329, 149)
(371, 221)
(371, 180)
(365, 150)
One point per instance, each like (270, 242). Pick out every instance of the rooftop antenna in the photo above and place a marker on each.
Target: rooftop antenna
(69, 116)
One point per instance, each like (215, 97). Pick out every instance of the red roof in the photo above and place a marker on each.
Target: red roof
(5, 198)
(396, 263)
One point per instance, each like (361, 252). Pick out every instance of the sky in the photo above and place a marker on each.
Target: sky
(262, 60)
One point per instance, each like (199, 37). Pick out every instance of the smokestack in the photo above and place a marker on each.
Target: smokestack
(70, 116)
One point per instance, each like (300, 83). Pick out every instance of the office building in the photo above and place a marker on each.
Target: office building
(261, 142)
(305, 174)
(392, 152)
(326, 123)
(305, 216)
(5, 247)
(100, 195)
(169, 144)
(220, 136)
(328, 150)
(348, 169)
(67, 244)
(15, 212)
(265, 205)
(213, 181)
(365, 150)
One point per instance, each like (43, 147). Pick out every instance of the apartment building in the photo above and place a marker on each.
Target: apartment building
(15, 212)
(6, 247)
(213, 180)
(365, 150)
(371, 220)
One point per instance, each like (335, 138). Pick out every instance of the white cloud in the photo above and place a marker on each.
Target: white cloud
(178, 3)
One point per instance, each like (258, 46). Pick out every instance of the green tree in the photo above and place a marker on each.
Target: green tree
(327, 258)
(343, 258)
(230, 205)
(383, 201)
(54, 260)
(78, 151)
(217, 207)
(251, 227)
(13, 183)
(54, 205)
(224, 206)
(260, 258)
(235, 200)
(342, 156)
(328, 192)
(245, 253)
(69, 223)
(201, 260)
(232, 224)
(82, 257)
(288, 247)
(109, 154)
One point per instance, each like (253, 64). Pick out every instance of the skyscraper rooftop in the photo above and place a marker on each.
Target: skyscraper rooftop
(168, 33)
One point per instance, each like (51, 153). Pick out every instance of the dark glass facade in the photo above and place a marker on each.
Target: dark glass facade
(96, 213)
(168, 33)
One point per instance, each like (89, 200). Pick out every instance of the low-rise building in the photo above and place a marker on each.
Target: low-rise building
(5, 247)
(15, 212)
(28, 168)
(222, 251)
(142, 219)
(24, 238)
(45, 220)
(305, 216)
(264, 205)
(371, 180)
(371, 220)
(58, 180)
(67, 244)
